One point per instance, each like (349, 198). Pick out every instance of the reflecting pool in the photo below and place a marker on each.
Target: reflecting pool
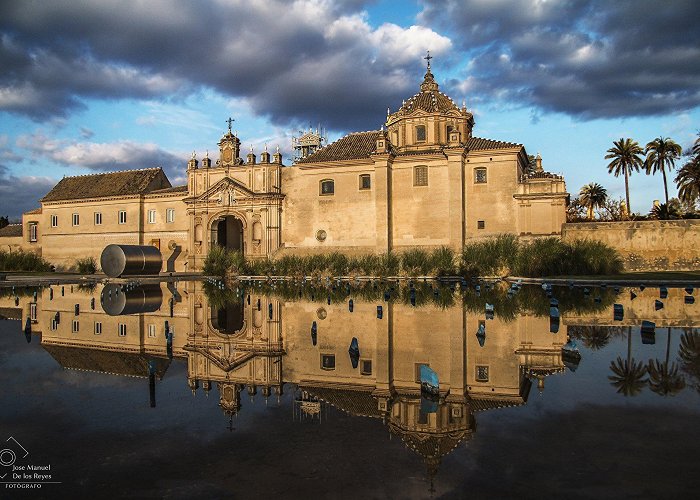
(345, 390)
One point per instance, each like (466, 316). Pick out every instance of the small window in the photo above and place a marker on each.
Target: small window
(122, 329)
(482, 373)
(366, 367)
(420, 133)
(420, 176)
(76, 326)
(54, 324)
(480, 224)
(479, 176)
(98, 328)
(170, 215)
(151, 216)
(327, 187)
(365, 181)
(122, 217)
(32, 312)
(54, 221)
(98, 218)
(152, 331)
(32, 232)
(328, 361)
(418, 365)
(76, 219)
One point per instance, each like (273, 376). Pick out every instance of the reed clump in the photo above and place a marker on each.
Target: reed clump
(19, 260)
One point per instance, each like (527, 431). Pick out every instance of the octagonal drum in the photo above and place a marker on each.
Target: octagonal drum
(130, 260)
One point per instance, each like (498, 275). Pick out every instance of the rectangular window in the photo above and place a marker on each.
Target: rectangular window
(479, 176)
(480, 224)
(328, 361)
(152, 331)
(482, 373)
(365, 181)
(32, 312)
(98, 328)
(151, 216)
(122, 217)
(54, 221)
(327, 187)
(54, 324)
(170, 215)
(76, 219)
(98, 218)
(32, 232)
(122, 329)
(420, 176)
(366, 367)
(76, 326)
(420, 133)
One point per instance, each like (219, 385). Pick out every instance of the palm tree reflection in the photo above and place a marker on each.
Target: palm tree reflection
(689, 353)
(664, 378)
(629, 374)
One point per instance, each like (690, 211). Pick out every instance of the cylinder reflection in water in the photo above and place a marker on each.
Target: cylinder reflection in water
(130, 260)
(118, 300)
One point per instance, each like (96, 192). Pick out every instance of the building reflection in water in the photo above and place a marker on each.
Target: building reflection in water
(262, 344)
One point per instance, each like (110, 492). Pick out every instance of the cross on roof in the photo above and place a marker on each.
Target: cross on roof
(230, 121)
(428, 57)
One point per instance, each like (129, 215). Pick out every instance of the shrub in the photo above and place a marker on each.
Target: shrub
(22, 261)
(490, 256)
(86, 265)
(220, 261)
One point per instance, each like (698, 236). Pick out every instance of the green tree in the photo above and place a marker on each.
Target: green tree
(593, 195)
(688, 177)
(662, 154)
(625, 156)
(4, 221)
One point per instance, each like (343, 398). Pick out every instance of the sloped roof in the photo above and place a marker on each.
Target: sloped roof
(11, 231)
(11, 312)
(351, 147)
(169, 190)
(33, 212)
(130, 364)
(477, 143)
(123, 183)
(355, 402)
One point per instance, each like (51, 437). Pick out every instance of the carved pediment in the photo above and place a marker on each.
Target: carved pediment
(226, 192)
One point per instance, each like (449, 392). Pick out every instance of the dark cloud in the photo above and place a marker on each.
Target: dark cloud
(19, 194)
(584, 58)
(292, 60)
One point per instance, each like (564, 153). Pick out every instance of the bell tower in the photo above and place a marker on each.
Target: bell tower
(229, 149)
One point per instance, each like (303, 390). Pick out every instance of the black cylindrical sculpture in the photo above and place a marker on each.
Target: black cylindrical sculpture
(130, 260)
(117, 301)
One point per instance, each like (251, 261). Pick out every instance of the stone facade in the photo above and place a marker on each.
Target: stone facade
(423, 180)
(663, 245)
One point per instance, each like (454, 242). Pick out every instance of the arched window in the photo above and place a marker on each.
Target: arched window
(327, 187)
(420, 133)
(420, 176)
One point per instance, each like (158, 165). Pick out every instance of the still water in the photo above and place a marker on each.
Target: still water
(300, 392)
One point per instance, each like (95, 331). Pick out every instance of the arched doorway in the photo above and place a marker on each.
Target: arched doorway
(228, 319)
(229, 233)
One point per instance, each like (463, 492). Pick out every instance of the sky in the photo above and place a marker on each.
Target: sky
(95, 86)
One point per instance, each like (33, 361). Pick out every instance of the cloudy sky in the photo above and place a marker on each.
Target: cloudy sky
(100, 85)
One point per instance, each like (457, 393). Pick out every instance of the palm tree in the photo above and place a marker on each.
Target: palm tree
(688, 178)
(661, 153)
(629, 374)
(625, 159)
(689, 353)
(664, 379)
(593, 195)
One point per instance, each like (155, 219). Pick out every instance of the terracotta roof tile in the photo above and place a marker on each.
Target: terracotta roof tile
(477, 143)
(355, 402)
(11, 231)
(123, 183)
(431, 101)
(174, 189)
(351, 147)
(33, 212)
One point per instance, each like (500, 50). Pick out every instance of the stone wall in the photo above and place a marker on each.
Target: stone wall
(646, 245)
